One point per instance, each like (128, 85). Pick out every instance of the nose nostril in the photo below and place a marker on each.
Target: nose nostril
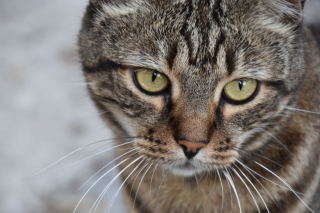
(189, 153)
(198, 149)
(184, 147)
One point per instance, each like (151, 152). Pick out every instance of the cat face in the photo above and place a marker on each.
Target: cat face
(198, 84)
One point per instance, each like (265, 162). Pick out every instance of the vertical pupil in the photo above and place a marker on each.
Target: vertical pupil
(240, 84)
(154, 76)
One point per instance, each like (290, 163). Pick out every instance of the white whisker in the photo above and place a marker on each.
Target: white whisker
(136, 176)
(283, 181)
(231, 203)
(275, 163)
(264, 177)
(222, 192)
(257, 181)
(214, 184)
(301, 110)
(106, 166)
(247, 188)
(135, 197)
(163, 176)
(114, 197)
(227, 175)
(98, 181)
(71, 153)
(152, 178)
(91, 156)
(197, 181)
(99, 199)
(276, 140)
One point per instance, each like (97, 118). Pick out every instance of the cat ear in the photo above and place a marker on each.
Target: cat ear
(98, 3)
(299, 3)
(291, 11)
(280, 15)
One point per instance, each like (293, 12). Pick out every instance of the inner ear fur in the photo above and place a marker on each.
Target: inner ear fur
(289, 12)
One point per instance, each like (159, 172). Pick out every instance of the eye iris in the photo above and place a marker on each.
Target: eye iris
(240, 90)
(151, 81)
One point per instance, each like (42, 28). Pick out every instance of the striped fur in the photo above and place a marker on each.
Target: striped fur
(251, 148)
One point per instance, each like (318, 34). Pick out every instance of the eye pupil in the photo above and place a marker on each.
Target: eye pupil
(240, 84)
(154, 76)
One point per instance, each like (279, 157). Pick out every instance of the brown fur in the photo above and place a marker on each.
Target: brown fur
(201, 46)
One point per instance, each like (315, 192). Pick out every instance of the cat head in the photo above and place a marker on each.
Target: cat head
(197, 83)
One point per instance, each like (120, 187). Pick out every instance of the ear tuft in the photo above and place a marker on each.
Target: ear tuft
(288, 12)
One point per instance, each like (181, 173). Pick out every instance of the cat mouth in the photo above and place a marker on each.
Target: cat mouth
(192, 167)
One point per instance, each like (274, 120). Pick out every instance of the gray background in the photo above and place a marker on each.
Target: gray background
(45, 111)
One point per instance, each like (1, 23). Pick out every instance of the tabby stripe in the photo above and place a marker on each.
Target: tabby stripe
(138, 205)
(103, 66)
(187, 35)
(230, 61)
(172, 54)
(103, 99)
(216, 12)
(288, 197)
(219, 112)
(219, 42)
(279, 85)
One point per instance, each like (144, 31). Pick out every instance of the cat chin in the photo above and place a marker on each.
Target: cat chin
(185, 169)
(186, 172)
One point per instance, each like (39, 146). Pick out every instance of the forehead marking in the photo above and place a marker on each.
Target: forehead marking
(202, 32)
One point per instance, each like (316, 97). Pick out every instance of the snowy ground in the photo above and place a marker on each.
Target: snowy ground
(45, 111)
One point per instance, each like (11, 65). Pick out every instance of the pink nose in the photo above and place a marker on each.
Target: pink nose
(191, 148)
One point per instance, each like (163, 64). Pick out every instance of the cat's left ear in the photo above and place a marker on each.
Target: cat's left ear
(292, 10)
(95, 3)
(297, 2)
(280, 15)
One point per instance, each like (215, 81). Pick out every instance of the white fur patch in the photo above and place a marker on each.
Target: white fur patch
(114, 10)
(273, 25)
(274, 11)
(123, 120)
(179, 1)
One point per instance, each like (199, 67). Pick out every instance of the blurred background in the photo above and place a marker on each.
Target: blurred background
(46, 113)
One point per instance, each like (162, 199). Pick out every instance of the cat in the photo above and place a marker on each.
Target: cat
(215, 103)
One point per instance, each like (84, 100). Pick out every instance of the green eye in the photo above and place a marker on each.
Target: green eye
(240, 90)
(151, 81)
